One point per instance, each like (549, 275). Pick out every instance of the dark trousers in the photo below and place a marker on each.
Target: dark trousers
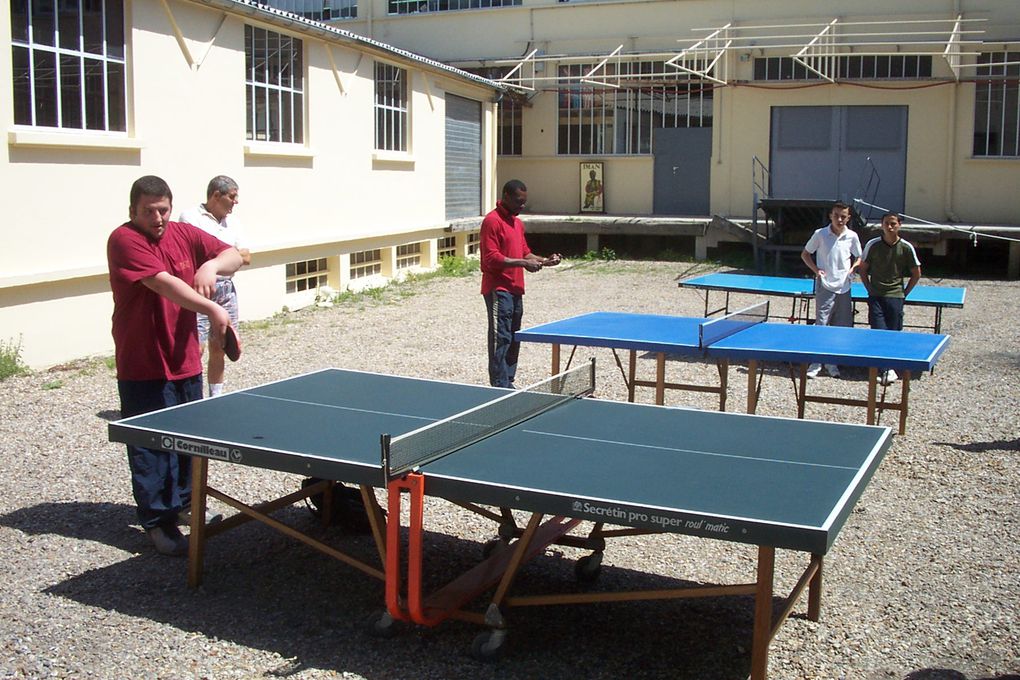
(885, 313)
(160, 480)
(505, 312)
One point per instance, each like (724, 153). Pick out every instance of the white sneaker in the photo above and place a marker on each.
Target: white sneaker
(813, 370)
(832, 370)
(168, 540)
(890, 377)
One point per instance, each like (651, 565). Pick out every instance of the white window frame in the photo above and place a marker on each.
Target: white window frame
(70, 88)
(446, 246)
(274, 73)
(996, 92)
(391, 107)
(365, 263)
(305, 275)
(409, 255)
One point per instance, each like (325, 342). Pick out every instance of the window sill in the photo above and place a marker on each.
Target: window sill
(994, 158)
(278, 150)
(71, 140)
(402, 157)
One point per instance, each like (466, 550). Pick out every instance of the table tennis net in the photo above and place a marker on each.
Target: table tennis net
(418, 447)
(715, 330)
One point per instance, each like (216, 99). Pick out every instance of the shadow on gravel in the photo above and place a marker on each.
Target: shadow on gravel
(265, 591)
(107, 523)
(982, 447)
(949, 674)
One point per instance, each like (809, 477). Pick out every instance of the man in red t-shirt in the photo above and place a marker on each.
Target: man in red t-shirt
(161, 273)
(505, 256)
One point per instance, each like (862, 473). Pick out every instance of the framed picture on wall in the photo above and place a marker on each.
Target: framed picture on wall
(593, 188)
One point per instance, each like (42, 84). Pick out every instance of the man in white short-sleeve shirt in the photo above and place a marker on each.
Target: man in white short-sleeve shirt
(833, 253)
(214, 217)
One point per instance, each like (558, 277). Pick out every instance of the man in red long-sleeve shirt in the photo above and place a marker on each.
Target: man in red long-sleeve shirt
(505, 256)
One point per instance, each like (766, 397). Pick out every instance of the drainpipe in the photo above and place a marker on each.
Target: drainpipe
(947, 193)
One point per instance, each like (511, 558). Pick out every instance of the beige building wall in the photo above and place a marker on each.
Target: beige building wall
(64, 192)
(944, 182)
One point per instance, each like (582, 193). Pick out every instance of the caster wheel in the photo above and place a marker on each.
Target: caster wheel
(489, 646)
(588, 568)
(381, 625)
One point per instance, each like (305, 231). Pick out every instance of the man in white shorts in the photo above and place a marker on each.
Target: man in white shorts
(837, 254)
(214, 217)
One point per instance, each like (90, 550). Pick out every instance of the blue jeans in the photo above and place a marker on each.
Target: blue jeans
(885, 313)
(505, 312)
(160, 480)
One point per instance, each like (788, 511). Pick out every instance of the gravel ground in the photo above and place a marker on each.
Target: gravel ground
(923, 582)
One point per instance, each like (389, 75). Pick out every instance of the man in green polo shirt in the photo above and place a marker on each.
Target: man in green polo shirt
(884, 263)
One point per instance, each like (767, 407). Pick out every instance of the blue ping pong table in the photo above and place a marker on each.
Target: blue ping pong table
(802, 292)
(622, 469)
(722, 340)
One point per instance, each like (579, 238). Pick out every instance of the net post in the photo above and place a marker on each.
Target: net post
(384, 446)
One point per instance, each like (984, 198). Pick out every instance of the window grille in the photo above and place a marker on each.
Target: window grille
(307, 275)
(68, 64)
(601, 120)
(390, 107)
(274, 80)
(996, 110)
(366, 263)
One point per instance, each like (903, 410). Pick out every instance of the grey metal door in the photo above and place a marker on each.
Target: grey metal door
(681, 171)
(463, 157)
(844, 152)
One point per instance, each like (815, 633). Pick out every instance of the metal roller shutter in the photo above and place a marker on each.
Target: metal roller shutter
(463, 157)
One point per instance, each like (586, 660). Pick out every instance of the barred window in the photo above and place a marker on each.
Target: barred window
(474, 241)
(390, 107)
(408, 255)
(850, 67)
(597, 120)
(318, 10)
(996, 110)
(307, 275)
(422, 6)
(447, 247)
(366, 263)
(274, 80)
(68, 66)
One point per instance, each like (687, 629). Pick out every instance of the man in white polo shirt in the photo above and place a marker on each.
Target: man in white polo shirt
(215, 217)
(836, 252)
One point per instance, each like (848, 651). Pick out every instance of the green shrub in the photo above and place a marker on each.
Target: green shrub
(10, 359)
(606, 254)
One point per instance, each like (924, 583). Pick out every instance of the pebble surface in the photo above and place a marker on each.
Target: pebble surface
(923, 582)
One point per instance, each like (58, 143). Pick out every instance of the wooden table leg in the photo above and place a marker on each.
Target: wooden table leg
(752, 391)
(555, 359)
(632, 372)
(814, 609)
(904, 399)
(872, 393)
(802, 391)
(724, 381)
(763, 613)
(660, 378)
(196, 541)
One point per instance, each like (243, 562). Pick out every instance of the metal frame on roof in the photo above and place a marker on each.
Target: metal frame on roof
(817, 46)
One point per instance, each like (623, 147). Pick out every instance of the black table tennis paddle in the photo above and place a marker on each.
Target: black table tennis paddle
(232, 344)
